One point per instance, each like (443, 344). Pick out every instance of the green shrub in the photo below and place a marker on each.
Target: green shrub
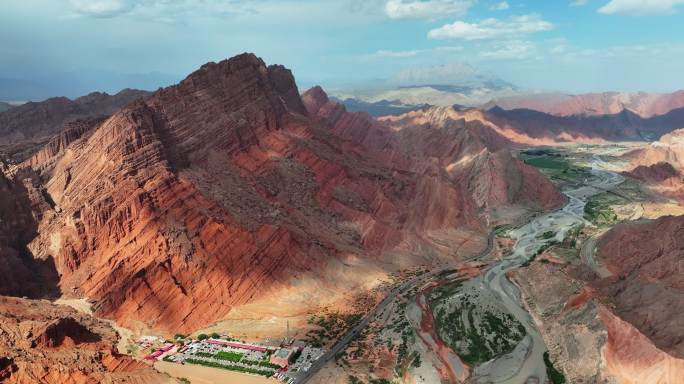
(555, 375)
(229, 356)
(262, 372)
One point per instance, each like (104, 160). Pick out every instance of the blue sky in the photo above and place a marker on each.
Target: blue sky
(567, 45)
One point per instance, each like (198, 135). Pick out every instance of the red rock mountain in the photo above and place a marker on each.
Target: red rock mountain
(669, 149)
(219, 190)
(36, 121)
(660, 165)
(654, 173)
(595, 104)
(647, 258)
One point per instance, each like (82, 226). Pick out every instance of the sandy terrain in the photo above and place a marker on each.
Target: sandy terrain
(198, 374)
(80, 305)
(126, 336)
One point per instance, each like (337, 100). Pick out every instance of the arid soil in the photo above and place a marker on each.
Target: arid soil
(567, 315)
(46, 343)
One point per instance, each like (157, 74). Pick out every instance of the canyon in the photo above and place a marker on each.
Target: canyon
(231, 179)
(177, 210)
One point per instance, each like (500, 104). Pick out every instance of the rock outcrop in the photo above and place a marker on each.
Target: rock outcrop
(669, 149)
(45, 343)
(219, 190)
(654, 173)
(648, 290)
(633, 359)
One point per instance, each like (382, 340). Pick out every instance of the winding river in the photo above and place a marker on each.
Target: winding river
(525, 364)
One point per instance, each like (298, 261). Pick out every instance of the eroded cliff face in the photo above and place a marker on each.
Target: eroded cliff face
(633, 359)
(222, 189)
(648, 290)
(669, 149)
(23, 275)
(46, 343)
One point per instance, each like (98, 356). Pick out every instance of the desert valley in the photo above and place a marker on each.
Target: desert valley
(244, 226)
(442, 244)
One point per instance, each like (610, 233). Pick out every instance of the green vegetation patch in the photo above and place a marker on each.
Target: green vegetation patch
(330, 326)
(598, 209)
(445, 291)
(547, 162)
(548, 234)
(476, 333)
(556, 166)
(255, 371)
(555, 376)
(229, 356)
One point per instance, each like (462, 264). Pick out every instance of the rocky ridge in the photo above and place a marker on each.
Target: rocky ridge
(216, 191)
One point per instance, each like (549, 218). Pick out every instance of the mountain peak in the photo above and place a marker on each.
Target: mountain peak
(314, 98)
(249, 71)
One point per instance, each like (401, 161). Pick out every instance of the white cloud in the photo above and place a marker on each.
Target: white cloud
(577, 3)
(102, 8)
(426, 9)
(502, 6)
(510, 50)
(161, 10)
(492, 28)
(640, 7)
(394, 54)
(457, 48)
(390, 54)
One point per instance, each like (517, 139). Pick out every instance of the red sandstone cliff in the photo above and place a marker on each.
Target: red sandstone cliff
(660, 165)
(648, 290)
(216, 191)
(46, 343)
(669, 149)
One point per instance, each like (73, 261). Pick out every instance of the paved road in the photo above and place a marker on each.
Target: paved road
(588, 255)
(341, 344)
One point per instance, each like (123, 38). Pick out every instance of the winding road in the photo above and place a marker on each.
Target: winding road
(341, 344)
(525, 364)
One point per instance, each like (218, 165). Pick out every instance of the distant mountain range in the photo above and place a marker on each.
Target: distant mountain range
(73, 84)
(463, 85)
(643, 104)
(442, 85)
